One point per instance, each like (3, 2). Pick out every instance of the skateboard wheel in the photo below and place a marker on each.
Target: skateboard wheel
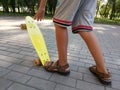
(37, 62)
(23, 26)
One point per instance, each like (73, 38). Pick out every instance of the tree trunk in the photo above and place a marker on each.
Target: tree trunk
(105, 14)
(113, 10)
(12, 3)
(30, 4)
(5, 6)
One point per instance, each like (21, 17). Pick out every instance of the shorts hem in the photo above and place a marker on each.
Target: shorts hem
(78, 28)
(64, 23)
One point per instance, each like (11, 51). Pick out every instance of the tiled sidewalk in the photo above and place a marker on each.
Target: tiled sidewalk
(17, 71)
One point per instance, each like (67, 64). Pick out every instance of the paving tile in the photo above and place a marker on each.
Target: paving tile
(19, 68)
(82, 85)
(62, 87)
(73, 58)
(40, 73)
(115, 71)
(4, 83)
(12, 50)
(3, 48)
(27, 49)
(91, 79)
(26, 53)
(74, 67)
(116, 84)
(17, 86)
(17, 77)
(3, 71)
(111, 89)
(30, 58)
(17, 53)
(41, 84)
(63, 80)
(115, 77)
(76, 63)
(2, 57)
(76, 75)
(10, 59)
(4, 52)
(84, 70)
(113, 66)
(27, 63)
(5, 64)
(10, 46)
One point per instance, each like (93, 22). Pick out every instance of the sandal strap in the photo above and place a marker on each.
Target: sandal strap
(101, 75)
(54, 66)
(64, 68)
(48, 64)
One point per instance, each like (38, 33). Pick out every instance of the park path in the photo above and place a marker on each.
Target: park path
(17, 71)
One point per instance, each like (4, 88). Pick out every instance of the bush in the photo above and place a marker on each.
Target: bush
(107, 21)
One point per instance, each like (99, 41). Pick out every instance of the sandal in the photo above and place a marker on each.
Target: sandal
(54, 67)
(103, 78)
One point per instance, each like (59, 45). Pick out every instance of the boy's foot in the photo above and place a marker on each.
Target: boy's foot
(55, 67)
(103, 78)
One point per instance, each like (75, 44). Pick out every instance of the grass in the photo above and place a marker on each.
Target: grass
(97, 20)
(23, 14)
(107, 21)
(14, 14)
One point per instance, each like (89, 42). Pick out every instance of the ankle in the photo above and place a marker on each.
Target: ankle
(102, 70)
(62, 62)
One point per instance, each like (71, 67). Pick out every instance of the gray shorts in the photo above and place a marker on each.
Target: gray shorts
(76, 13)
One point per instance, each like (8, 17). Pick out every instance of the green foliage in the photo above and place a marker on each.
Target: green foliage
(105, 13)
(109, 10)
(15, 14)
(107, 21)
(118, 6)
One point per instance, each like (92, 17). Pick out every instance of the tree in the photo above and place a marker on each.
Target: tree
(50, 7)
(106, 11)
(5, 4)
(118, 9)
(98, 4)
(30, 5)
(12, 4)
(112, 15)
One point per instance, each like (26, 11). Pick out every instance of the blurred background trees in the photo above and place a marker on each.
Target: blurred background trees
(109, 9)
(23, 6)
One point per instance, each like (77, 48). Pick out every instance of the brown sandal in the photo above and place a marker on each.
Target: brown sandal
(54, 67)
(103, 78)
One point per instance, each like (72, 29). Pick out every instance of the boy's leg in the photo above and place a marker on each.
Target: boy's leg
(63, 17)
(60, 66)
(64, 14)
(62, 43)
(82, 24)
(95, 50)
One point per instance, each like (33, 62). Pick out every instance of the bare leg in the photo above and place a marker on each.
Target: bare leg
(95, 50)
(62, 43)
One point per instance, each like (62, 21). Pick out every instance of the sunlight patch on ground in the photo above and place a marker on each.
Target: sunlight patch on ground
(100, 32)
(99, 28)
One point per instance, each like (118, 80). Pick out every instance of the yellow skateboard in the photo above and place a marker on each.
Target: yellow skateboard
(37, 41)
